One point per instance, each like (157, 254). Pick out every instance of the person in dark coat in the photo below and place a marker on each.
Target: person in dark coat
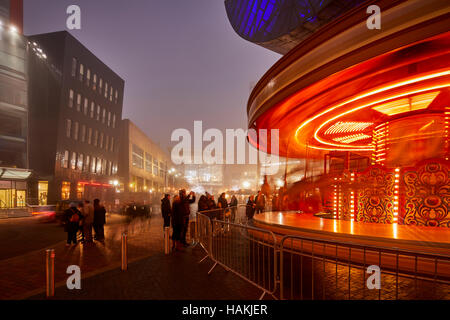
(260, 202)
(250, 209)
(202, 204)
(177, 222)
(99, 220)
(233, 206)
(72, 218)
(166, 210)
(211, 203)
(186, 201)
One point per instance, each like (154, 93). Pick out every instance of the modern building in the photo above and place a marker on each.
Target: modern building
(145, 169)
(74, 121)
(14, 107)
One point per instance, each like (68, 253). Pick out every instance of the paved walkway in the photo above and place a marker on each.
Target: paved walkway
(151, 274)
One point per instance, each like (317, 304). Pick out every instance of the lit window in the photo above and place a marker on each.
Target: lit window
(137, 157)
(74, 67)
(98, 113)
(80, 162)
(94, 82)
(81, 72)
(93, 166)
(109, 118)
(101, 140)
(116, 98)
(100, 85)
(106, 90)
(65, 190)
(75, 131)
(104, 166)
(112, 144)
(65, 159)
(92, 109)
(114, 121)
(71, 98)
(88, 77)
(99, 165)
(68, 127)
(86, 106)
(86, 164)
(73, 161)
(110, 168)
(78, 102)
(111, 94)
(148, 162)
(103, 115)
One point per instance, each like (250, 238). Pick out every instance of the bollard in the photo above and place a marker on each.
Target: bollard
(50, 272)
(166, 240)
(124, 252)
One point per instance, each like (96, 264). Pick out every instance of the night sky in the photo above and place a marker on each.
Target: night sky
(181, 60)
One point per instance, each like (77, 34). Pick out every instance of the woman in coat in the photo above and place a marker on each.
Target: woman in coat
(177, 222)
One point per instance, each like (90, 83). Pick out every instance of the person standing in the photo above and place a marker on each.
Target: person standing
(233, 206)
(186, 201)
(72, 217)
(202, 203)
(223, 204)
(166, 210)
(275, 202)
(99, 220)
(177, 222)
(260, 202)
(88, 220)
(250, 209)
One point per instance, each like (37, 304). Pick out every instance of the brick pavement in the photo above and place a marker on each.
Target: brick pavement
(176, 276)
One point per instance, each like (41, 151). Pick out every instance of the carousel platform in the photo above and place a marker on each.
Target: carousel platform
(435, 240)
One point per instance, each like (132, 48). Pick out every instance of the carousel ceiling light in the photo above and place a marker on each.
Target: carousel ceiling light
(418, 102)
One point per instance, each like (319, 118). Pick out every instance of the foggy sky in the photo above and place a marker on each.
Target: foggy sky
(180, 59)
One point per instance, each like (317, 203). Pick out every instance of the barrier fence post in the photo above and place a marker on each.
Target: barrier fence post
(124, 252)
(50, 272)
(167, 240)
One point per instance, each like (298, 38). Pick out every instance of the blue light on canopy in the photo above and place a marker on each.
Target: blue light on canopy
(265, 20)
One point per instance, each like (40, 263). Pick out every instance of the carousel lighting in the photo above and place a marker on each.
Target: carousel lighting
(352, 138)
(409, 104)
(396, 187)
(346, 127)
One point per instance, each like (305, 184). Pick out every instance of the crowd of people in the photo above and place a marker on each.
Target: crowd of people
(83, 217)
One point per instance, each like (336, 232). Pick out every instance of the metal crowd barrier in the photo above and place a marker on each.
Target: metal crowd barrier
(248, 252)
(297, 267)
(339, 270)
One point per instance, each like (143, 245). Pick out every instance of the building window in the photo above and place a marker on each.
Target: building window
(68, 127)
(81, 72)
(114, 121)
(65, 190)
(75, 131)
(155, 167)
(85, 106)
(112, 144)
(111, 94)
(109, 118)
(98, 113)
(148, 162)
(89, 136)
(86, 164)
(101, 140)
(83, 133)
(107, 143)
(78, 102)
(93, 164)
(137, 157)
(110, 168)
(99, 166)
(71, 98)
(104, 167)
(106, 90)
(73, 161)
(100, 86)
(104, 115)
(116, 97)
(42, 192)
(80, 162)
(88, 77)
(74, 67)
(65, 159)
(95, 138)
(80, 190)
(94, 82)
(92, 109)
